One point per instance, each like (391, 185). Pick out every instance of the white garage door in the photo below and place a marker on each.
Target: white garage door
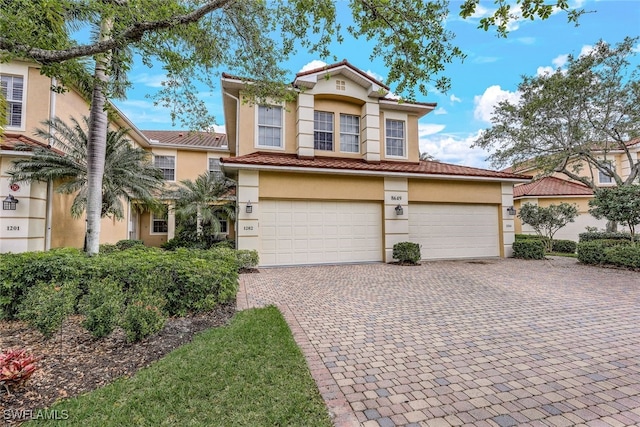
(317, 232)
(454, 231)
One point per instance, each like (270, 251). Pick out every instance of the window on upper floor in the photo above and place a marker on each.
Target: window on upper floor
(168, 166)
(215, 167)
(349, 133)
(13, 90)
(322, 130)
(395, 138)
(270, 126)
(603, 178)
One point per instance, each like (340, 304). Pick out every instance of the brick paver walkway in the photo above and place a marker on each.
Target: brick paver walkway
(498, 342)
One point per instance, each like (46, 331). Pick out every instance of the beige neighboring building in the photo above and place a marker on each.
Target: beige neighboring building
(335, 177)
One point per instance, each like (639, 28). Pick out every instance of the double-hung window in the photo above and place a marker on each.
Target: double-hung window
(215, 168)
(603, 178)
(159, 223)
(168, 166)
(323, 130)
(270, 126)
(12, 88)
(349, 133)
(395, 138)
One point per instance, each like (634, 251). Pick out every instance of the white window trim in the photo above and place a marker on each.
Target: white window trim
(400, 118)
(209, 164)
(359, 134)
(333, 130)
(282, 128)
(16, 70)
(175, 165)
(151, 221)
(225, 233)
(612, 181)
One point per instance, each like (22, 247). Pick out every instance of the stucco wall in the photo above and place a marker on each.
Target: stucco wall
(282, 185)
(443, 191)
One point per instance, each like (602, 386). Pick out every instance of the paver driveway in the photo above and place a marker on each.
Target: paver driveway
(498, 342)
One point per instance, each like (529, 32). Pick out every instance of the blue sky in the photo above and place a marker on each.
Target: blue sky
(490, 73)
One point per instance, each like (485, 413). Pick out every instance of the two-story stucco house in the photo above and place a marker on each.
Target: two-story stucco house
(335, 177)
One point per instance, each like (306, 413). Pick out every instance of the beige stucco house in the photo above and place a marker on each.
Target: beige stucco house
(335, 177)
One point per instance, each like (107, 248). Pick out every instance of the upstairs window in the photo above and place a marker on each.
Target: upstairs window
(323, 130)
(215, 168)
(13, 91)
(349, 133)
(395, 141)
(604, 178)
(270, 126)
(168, 166)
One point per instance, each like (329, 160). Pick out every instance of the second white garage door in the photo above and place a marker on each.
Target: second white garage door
(319, 232)
(454, 231)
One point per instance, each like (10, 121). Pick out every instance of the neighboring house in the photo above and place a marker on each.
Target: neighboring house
(559, 188)
(181, 155)
(335, 177)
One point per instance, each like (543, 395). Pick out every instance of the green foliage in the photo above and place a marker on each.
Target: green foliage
(143, 316)
(528, 249)
(107, 248)
(247, 259)
(102, 307)
(618, 204)
(47, 305)
(547, 221)
(128, 244)
(407, 252)
(603, 235)
(564, 246)
(623, 256)
(608, 251)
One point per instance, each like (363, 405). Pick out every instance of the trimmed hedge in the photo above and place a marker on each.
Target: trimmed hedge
(528, 249)
(407, 252)
(623, 256)
(564, 246)
(603, 235)
(591, 252)
(622, 253)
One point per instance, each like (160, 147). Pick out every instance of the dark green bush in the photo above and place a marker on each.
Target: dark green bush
(102, 307)
(623, 255)
(602, 235)
(591, 252)
(143, 316)
(128, 244)
(247, 259)
(564, 246)
(407, 252)
(528, 249)
(47, 305)
(107, 248)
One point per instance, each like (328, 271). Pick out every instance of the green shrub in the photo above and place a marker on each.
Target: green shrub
(47, 305)
(528, 249)
(623, 255)
(102, 306)
(227, 243)
(407, 252)
(247, 259)
(603, 235)
(591, 252)
(20, 272)
(106, 248)
(143, 316)
(128, 244)
(564, 246)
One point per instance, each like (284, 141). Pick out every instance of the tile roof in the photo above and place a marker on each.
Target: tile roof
(551, 186)
(345, 63)
(9, 141)
(186, 138)
(422, 167)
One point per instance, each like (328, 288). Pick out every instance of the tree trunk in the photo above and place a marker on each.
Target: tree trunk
(96, 146)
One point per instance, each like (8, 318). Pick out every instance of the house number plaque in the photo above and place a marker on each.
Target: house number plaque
(13, 228)
(396, 198)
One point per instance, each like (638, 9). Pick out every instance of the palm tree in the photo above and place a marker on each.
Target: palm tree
(128, 171)
(207, 200)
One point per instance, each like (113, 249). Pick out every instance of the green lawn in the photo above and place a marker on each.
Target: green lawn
(250, 373)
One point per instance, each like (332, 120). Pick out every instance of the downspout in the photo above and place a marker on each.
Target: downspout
(235, 223)
(48, 221)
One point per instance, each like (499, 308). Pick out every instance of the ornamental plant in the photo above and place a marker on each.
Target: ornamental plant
(16, 366)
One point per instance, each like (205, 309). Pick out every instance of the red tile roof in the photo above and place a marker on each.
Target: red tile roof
(551, 186)
(186, 138)
(422, 167)
(11, 140)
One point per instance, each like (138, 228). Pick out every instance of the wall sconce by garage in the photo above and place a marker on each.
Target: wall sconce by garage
(249, 207)
(399, 210)
(10, 203)
(511, 210)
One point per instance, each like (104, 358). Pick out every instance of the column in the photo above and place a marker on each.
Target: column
(396, 227)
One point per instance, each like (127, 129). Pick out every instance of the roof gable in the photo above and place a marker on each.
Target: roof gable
(310, 78)
(551, 186)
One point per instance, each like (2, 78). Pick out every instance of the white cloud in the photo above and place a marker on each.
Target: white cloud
(316, 63)
(485, 59)
(454, 98)
(541, 71)
(440, 111)
(485, 103)
(145, 115)
(375, 75)
(449, 148)
(526, 40)
(560, 60)
(481, 12)
(149, 80)
(425, 129)
(586, 50)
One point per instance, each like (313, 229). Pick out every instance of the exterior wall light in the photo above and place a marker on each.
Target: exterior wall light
(399, 210)
(249, 207)
(10, 203)
(511, 210)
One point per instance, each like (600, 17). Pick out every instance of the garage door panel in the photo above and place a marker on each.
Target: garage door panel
(454, 230)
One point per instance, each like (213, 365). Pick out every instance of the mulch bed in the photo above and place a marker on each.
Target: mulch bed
(72, 362)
